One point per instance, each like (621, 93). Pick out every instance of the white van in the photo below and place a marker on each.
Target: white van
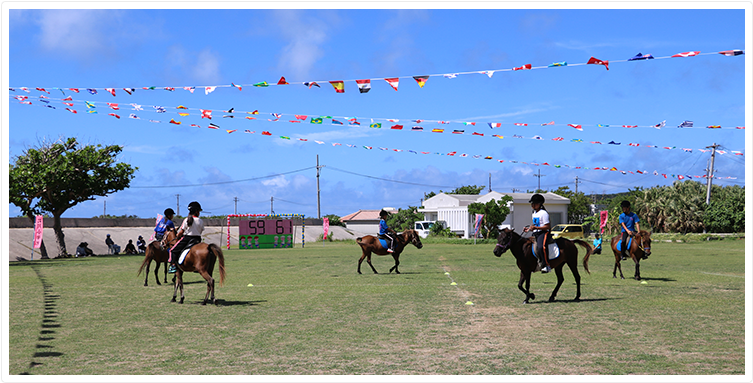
(424, 227)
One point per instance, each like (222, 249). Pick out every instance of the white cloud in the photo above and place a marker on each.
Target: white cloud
(278, 182)
(306, 37)
(78, 32)
(203, 66)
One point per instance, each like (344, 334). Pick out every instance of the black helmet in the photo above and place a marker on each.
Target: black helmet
(383, 213)
(169, 211)
(625, 204)
(194, 206)
(537, 198)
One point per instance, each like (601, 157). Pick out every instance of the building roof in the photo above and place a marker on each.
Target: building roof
(362, 215)
(467, 199)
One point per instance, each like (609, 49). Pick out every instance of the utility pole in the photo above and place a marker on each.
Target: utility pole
(236, 205)
(272, 206)
(710, 174)
(104, 213)
(318, 191)
(177, 205)
(539, 176)
(490, 182)
(514, 190)
(577, 181)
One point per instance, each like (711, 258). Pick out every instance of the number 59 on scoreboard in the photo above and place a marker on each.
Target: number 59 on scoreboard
(265, 234)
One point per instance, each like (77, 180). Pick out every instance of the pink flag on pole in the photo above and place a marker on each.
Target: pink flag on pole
(325, 225)
(604, 215)
(479, 218)
(38, 231)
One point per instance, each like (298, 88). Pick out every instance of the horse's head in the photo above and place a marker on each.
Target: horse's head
(169, 239)
(504, 241)
(645, 242)
(413, 237)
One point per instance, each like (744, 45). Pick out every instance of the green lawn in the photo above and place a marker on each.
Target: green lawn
(309, 312)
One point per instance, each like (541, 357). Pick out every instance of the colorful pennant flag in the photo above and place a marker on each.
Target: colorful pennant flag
(209, 89)
(421, 80)
(317, 120)
(282, 81)
(734, 52)
(524, 67)
(687, 54)
(594, 60)
(393, 82)
(311, 83)
(339, 86)
(375, 125)
(576, 126)
(640, 56)
(364, 86)
(493, 125)
(561, 63)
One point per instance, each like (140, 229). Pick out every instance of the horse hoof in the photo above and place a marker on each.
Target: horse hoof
(173, 300)
(359, 272)
(204, 303)
(551, 299)
(158, 284)
(577, 299)
(145, 284)
(622, 277)
(533, 296)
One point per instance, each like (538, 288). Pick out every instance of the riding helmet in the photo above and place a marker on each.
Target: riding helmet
(625, 204)
(383, 213)
(537, 198)
(169, 211)
(194, 206)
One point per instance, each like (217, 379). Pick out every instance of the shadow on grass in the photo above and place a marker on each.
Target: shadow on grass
(545, 301)
(49, 319)
(222, 302)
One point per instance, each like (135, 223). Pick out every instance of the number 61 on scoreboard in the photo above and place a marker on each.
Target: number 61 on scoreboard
(265, 234)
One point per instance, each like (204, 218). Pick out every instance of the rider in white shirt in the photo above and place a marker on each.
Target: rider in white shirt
(540, 229)
(189, 234)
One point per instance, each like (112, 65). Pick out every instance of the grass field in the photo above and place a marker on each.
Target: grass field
(309, 312)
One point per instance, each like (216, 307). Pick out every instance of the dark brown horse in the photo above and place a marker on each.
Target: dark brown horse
(201, 259)
(370, 244)
(521, 249)
(640, 248)
(159, 252)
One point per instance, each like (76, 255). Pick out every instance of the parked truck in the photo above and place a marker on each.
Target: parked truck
(424, 227)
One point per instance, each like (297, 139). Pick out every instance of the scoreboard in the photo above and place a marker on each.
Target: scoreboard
(265, 234)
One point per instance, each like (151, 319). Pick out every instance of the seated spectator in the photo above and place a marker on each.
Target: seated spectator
(112, 248)
(141, 245)
(83, 250)
(130, 249)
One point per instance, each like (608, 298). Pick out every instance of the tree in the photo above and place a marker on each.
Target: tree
(468, 189)
(404, 219)
(726, 211)
(334, 220)
(495, 212)
(57, 176)
(580, 205)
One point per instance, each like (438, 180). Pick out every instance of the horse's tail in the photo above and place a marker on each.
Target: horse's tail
(147, 258)
(588, 248)
(218, 253)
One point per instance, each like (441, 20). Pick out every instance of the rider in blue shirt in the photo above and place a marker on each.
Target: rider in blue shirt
(385, 232)
(629, 222)
(164, 224)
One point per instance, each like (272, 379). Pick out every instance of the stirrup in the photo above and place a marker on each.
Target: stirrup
(172, 269)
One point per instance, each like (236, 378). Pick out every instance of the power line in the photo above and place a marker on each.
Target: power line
(222, 182)
(388, 180)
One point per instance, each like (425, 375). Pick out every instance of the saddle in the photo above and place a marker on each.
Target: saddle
(184, 253)
(384, 241)
(553, 251)
(630, 243)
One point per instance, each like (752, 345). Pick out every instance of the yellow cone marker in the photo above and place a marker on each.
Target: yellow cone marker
(644, 283)
(453, 284)
(250, 285)
(446, 273)
(469, 303)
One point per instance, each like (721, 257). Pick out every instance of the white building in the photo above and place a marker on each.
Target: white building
(453, 209)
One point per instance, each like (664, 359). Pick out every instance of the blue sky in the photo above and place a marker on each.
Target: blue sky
(176, 48)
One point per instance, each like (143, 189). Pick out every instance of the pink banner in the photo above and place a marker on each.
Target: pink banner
(325, 225)
(38, 231)
(604, 215)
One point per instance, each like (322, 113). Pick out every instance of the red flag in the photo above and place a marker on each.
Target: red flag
(594, 60)
(282, 81)
(113, 106)
(397, 127)
(393, 82)
(524, 67)
(265, 133)
(575, 126)
(687, 54)
(172, 121)
(114, 115)
(206, 114)
(111, 90)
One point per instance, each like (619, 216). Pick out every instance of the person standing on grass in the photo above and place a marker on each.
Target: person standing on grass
(629, 222)
(189, 234)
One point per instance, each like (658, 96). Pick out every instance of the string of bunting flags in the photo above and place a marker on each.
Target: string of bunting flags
(364, 85)
(353, 121)
(182, 111)
(465, 155)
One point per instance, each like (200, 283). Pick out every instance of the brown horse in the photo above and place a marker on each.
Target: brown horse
(370, 244)
(201, 259)
(527, 263)
(639, 249)
(159, 252)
